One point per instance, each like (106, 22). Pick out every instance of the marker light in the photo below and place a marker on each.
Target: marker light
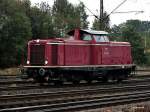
(46, 62)
(28, 62)
(38, 40)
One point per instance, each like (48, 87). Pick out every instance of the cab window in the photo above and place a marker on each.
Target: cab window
(86, 37)
(101, 38)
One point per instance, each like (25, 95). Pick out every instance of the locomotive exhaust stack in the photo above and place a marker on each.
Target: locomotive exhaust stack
(85, 55)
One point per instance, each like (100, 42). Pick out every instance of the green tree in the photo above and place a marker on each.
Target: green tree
(134, 38)
(143, 28)
(102, 26)
(19, 21)
(15, 30)
(41, 21)
(83, 16)
(139, 26)
(67, 16)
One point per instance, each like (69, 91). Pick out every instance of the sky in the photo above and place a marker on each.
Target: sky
(109, 5)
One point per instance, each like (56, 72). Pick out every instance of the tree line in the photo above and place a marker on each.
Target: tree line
(20, 22)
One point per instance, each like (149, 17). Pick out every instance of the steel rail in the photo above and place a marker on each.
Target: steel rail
(62, 94)
(143, 70)
(134, 80)
(103, 101)
(15, 82)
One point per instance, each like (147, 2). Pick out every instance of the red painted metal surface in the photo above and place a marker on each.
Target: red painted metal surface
(77, 52)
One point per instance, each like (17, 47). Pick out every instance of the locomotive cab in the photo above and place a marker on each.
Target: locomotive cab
(89, 35)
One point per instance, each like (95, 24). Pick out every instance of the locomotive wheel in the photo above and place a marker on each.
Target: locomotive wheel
(76, 81)
(39, 79)
(119, 80)
(58, 82)
(104, 79)
(122, 77)
(89, 81)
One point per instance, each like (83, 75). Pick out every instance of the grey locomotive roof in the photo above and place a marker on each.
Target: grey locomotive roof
(89, 31)
(94, 31)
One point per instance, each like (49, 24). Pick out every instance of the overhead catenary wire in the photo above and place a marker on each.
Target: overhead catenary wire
(115, 8)
(129, 12)
(108, 14)
(90, 10)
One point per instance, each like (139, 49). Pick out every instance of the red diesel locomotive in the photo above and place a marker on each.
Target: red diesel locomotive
(85, 55)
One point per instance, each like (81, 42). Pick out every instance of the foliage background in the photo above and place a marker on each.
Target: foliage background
(20, 22)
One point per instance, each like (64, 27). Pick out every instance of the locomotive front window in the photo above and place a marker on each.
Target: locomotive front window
(86, 37)
(101, 38)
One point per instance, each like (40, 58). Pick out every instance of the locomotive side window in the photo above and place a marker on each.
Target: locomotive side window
(101, 38)
(86, 37)
(106, 38)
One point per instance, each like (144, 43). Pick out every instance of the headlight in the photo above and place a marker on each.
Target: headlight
(46, 62)
(37, 40)
(28, 62)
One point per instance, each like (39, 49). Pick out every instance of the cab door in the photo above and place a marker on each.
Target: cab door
(103, 49)
(106, 56)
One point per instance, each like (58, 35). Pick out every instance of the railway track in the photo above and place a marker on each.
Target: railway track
(76, 97)
(21, 84)
(55, 95)
(8, 82)
(29, 87)
(10, 77)
(84, 104)
(62, 98)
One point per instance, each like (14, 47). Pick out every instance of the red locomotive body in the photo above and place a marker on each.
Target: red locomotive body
(85, 55)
